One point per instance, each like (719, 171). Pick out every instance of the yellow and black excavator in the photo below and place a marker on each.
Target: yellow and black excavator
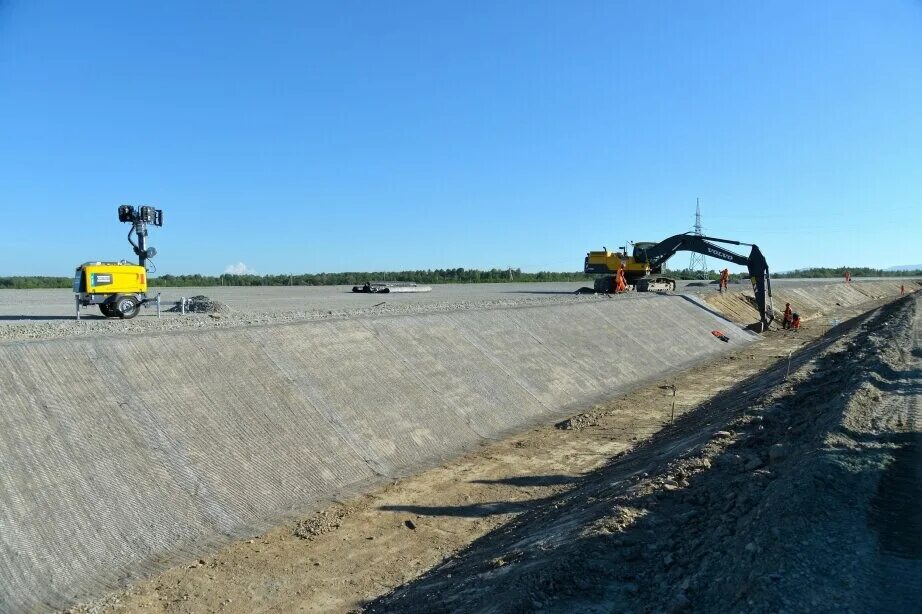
(643, 269)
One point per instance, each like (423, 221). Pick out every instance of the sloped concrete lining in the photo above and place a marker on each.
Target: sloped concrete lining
(121, 454)
(809, 300)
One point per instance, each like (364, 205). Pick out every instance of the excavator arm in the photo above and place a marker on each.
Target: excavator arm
(656, 256)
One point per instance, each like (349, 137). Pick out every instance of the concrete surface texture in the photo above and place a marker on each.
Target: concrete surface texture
(123, 453)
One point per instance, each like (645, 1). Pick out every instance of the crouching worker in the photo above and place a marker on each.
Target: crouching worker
(795, 321)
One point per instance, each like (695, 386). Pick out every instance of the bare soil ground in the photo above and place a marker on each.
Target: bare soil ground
(765, 493)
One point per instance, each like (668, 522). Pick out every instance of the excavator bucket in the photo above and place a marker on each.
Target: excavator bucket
(762, 288)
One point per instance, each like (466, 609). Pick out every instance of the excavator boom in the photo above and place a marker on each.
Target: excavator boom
(659, 253)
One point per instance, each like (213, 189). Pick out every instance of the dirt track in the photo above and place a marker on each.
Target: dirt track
(534, 522)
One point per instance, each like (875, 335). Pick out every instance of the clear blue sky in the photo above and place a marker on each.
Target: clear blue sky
(308, 137)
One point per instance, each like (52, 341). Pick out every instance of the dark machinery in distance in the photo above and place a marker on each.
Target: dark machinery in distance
(644, 268)
(386, 287)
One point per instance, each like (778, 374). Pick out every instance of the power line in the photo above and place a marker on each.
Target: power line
(697, 262)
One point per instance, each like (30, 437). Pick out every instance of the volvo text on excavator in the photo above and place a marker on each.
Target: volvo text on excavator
(643, 269)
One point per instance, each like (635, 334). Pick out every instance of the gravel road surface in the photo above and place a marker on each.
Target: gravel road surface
(30, 306)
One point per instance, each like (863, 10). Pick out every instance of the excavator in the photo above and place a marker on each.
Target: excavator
(643, 269)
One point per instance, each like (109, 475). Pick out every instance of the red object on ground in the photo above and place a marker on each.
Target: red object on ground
(720, 335)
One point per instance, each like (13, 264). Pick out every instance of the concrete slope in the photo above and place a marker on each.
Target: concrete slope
(809, 300)
(122, 454)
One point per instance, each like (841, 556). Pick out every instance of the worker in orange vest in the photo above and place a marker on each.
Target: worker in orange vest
(795, 321)
(848, 277)
(620, 282)
(788, 316)
(724, 280)
(902, 290)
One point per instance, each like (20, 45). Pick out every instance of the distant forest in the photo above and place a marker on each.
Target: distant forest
(433, 276)
(840, 272)
(815, 272)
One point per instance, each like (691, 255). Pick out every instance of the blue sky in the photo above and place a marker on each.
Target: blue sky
(307, 137)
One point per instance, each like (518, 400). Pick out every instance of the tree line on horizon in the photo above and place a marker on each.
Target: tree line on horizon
(811, 272)
(428, 276)
(860, 271)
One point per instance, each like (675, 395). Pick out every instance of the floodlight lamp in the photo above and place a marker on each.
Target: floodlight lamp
(126, 213)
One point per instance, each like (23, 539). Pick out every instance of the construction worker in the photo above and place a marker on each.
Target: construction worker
(788, 316)
(620, 281)
(848, 276)
(795, 321)
(724, 280)
(902, 290)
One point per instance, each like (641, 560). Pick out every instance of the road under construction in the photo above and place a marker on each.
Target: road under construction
(127, 453)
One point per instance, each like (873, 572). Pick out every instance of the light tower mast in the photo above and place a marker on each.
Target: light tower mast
(697, 263)
(139, 218)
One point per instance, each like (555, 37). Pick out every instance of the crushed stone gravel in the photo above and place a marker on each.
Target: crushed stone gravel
(171, 320)
(200, 304)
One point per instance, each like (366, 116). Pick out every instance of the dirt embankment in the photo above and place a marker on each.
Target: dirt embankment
(780, 494)
(809, 302)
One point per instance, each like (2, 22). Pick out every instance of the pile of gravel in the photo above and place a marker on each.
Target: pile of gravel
(201, 304)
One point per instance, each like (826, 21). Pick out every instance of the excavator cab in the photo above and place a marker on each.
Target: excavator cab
(640, 250)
